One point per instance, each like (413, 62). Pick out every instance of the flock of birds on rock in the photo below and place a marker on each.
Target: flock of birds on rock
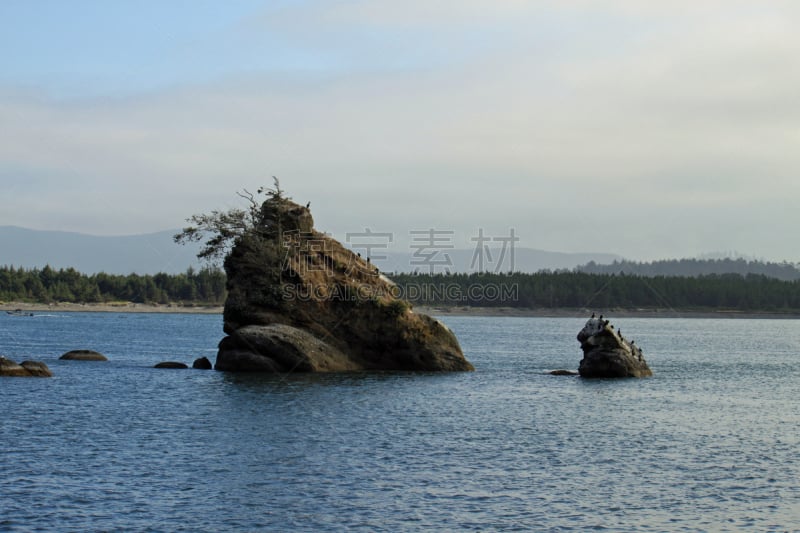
(605, 323)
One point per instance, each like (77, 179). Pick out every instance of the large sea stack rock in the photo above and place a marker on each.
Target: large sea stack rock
(606, 354)
(300, 301)
(26, 369)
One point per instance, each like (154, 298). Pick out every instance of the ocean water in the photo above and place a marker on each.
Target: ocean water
(709, 443)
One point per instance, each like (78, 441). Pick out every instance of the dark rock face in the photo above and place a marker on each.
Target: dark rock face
(300, 301)
(202, 363)
(606, 354)
(171, 364)
(83, 355)
(26, 369)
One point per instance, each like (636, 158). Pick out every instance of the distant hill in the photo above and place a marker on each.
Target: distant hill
(141, 254)
(465, 261)
(156, 252)
(696, 267)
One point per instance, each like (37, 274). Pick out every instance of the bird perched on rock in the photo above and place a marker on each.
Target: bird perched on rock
(592, 315)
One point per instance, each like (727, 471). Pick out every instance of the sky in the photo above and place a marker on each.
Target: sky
(647, 129)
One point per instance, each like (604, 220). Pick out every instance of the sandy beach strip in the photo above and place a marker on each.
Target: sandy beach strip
(111, 307)
(585, 313)
(130, 307)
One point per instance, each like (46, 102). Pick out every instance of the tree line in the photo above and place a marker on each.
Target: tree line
(205, 286)
(752, 292)
(696, 267)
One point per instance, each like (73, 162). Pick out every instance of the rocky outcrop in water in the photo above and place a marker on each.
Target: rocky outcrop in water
(83, 355)
(298, 300)
(26, 369)
(202, 363)
(606, 354)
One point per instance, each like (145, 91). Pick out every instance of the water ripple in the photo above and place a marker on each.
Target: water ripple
(709, 443)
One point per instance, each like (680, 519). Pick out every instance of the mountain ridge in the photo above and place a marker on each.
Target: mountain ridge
(151, 253)
(691, 267)
(147, 253)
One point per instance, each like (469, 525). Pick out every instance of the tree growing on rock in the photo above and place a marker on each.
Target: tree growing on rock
(222, 229)
(251, 243)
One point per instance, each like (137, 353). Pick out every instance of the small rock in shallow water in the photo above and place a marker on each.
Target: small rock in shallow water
(563, 373)
(27, 369)
(202, 363)
(37, 369)
(171, 364)
(83, 355)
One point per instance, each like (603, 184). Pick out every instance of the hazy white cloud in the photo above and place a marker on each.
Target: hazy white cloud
(672, 127)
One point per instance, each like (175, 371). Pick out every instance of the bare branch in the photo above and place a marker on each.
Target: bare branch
(222, 229)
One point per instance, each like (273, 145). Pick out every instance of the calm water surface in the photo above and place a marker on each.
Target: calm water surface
(710, 443)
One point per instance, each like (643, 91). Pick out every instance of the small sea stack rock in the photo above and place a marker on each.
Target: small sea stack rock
(607, 355)
(83, 355)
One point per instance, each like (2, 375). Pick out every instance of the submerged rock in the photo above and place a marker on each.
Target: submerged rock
(83, 355)
(26, 369)
(171, 364)
(298, 300)
(562, 372)
(606, 354)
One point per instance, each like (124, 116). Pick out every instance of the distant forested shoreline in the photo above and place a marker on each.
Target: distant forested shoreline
(541, 290)
(785, 271)
(554, 290)
(46, 285)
